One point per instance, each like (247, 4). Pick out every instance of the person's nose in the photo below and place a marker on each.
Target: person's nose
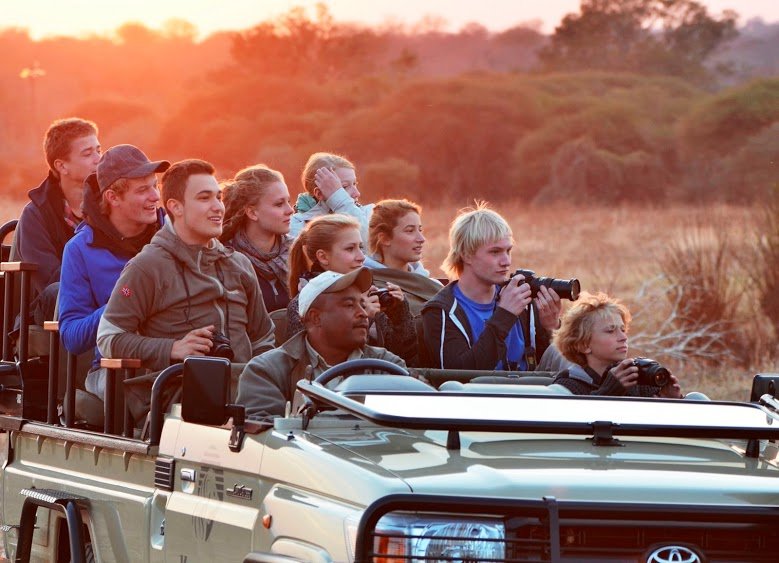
(360, 256)
(219, 205)
(154, 195)
(420, 237)
(360, 312)
(355, 192)
(289, 210)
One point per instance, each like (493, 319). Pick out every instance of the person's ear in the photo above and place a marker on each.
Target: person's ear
(111, 197)
(384, 239)
(323, 258)
(314, 317)
(318, 195)
(251, 213)
(61, 167)
(174, 207)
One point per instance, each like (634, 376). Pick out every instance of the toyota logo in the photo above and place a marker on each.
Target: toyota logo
(673, 554)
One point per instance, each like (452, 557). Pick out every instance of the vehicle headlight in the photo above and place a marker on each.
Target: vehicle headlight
(400, 537)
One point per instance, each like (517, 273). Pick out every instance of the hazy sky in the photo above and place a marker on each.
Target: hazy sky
(77, 17)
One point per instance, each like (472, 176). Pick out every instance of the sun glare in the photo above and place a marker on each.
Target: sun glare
(81, 18)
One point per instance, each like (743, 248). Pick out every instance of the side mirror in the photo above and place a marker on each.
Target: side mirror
(206, 388)
(764, 383)
(205, 395)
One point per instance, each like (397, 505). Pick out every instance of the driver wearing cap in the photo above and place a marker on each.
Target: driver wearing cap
(336, 330)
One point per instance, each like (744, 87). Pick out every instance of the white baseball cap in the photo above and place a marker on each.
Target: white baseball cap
(332, 282)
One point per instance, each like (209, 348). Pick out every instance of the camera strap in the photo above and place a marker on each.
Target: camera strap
(221, 278)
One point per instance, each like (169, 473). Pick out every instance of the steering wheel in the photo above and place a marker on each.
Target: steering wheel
(359, 366)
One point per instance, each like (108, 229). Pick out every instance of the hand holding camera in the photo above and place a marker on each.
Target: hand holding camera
(644, 371)
(651, 372)
(515, 295)
(388, 297)
(370, 302)
(196, 342)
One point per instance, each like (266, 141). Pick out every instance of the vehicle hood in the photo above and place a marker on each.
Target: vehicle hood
(362, 464)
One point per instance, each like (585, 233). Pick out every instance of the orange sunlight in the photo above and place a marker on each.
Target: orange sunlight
(85, 17)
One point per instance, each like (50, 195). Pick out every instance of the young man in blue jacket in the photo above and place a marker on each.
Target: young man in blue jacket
(485, 319)
(121, 214)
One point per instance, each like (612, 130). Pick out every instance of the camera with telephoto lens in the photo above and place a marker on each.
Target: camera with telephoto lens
(651, 372)
(220, 347)
(385, 298)
(566, 289)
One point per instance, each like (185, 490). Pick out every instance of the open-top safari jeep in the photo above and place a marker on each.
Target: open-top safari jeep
(387, 468)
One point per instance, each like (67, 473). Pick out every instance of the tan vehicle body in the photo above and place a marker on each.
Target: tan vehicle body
(299, 494)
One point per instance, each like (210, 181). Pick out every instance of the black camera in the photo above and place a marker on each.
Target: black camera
(651, 372)
(220, 347)
(566, 289)
(385, 298)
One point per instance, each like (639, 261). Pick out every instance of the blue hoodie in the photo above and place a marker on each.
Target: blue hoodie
(91, 264)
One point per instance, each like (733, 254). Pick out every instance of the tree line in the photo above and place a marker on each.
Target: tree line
(622, 102)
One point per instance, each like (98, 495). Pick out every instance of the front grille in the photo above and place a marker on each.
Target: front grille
(163, 473)
(571, 531)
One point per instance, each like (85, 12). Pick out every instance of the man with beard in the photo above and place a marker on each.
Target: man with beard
(336, 330)
(121, 214)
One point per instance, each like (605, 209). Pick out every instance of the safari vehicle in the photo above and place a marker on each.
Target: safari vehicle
(383, 467)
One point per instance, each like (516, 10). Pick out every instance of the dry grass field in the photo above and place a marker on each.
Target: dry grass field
(618, 250)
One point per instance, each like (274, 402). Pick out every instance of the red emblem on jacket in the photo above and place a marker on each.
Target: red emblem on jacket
(126, 291)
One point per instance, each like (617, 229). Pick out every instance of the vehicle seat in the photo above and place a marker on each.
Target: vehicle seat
(279, 318)
(360, 384)
(502, 389)
(514, 379)
(89, 409)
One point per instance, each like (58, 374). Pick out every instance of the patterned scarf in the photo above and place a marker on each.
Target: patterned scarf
(270, 265)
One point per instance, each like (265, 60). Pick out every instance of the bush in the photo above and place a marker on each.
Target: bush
(583, 173)
(388, 178)
(706, 294)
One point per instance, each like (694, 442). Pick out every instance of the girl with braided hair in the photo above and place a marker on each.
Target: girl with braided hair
(257, 218)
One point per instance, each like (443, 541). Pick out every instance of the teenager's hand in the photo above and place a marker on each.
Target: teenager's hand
(671, 390)
(626, 373)
(549, 307)
(196, 342)
(371, 303)
(326, 181)
(397, 295)
(515, 296)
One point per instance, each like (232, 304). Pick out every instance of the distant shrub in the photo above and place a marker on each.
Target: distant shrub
(707, 295)
(722, 123)
(584, 173)
(764, 267)
(388, 178)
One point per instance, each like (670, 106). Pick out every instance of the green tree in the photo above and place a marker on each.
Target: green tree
(657, 36)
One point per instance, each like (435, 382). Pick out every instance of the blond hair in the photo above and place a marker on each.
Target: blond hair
(319, 234)
(472, 228)
(384, 218)
(321, 160)
(577, 327)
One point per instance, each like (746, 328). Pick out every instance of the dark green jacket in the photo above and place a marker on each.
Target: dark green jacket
(269, 380)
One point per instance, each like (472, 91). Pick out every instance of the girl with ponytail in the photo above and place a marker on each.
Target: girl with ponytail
(257, 218)
(332, 242)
